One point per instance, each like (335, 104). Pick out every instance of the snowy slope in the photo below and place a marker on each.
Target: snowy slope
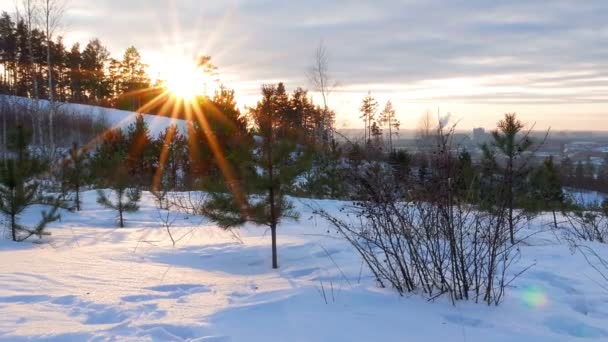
(585, 197)
(115, 117)
(92, 281)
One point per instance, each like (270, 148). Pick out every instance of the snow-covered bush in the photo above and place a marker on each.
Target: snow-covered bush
(586, 225)
(424, 235)
(429, 247)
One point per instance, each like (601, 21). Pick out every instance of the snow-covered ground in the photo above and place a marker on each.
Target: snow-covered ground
(115, 117)
(92, 281)
(585, 197)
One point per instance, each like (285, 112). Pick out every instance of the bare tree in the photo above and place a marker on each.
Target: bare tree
(53, 11)
(4, 113)
(28, 11)
(425, 130)
(318, 76)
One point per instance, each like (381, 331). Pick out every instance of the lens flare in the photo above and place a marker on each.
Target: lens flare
(534, 297)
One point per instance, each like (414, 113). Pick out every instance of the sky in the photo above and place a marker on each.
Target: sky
(547, 61)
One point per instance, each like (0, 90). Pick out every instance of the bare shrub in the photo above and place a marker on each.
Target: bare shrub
(582, 228)
(586, 225)
(425, 236)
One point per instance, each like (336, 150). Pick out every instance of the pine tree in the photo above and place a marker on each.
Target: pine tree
(220, 128)
(93, 60)
(74, 61)
(376, 132)
(506, 153)
(401, 162)
(141, 158)
(8, 52)
(276, 163)
(173, 149)
(579, 174)
(132, 77)
(119, 181)
(603, 175)
(76, 173)
(466, 185)
(566, 169)
(389, 120)
(589, 174)
(546, 188)
(20, 189)
(112, 172)
(369, 107)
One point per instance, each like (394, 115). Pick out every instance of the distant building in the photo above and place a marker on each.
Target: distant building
(479, 135)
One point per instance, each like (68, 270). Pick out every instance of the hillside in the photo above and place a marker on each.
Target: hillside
(115, 117)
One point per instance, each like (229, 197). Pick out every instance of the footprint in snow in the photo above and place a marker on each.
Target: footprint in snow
(569, 326)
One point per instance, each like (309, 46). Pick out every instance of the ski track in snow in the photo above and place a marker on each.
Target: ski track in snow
(92, 281)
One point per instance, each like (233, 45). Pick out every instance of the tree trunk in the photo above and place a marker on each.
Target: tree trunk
(4, 139)
(271, 197)
(121, 222)
(510, 200)
(51, 98)
(273, 231)
(554, 219)
(13, 227)
(77, 197)
(390, 133)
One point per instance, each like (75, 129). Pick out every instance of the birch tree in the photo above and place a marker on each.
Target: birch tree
(318, 76)
(52, 12)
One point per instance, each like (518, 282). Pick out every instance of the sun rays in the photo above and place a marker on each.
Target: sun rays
(188, 79)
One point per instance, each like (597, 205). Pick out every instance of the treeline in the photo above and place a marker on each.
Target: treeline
(585, 174)
(36, 67)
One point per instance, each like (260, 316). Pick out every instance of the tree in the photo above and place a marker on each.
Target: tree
(546, 188)
(133, 79)
(118, 181)
(74, 61)
(507, 154)
(368, 109)
(173, 149)
(376, 133)
(141, 158)
(276, 163)
(579, 174)
(30, 13)
(387, 118)
(466, 181)
(602, 175)
(8, 52)
(566, 169)
(319, 77)
(92, 61)
(52, 12)
(20, 189)
(76, 172)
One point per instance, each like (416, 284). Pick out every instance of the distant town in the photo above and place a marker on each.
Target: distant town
(583, 146)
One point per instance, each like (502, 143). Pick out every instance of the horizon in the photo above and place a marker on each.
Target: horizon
(388, 49)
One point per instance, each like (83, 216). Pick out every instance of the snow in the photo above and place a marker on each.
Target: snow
(115, 117)
(585, 197)
(92, 281)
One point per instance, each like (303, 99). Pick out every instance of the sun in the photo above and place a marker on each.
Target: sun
(185, 80)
